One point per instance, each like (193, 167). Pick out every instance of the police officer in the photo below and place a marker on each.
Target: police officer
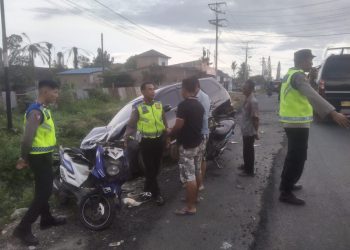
(37, 146)
(297, 101)
(149, 120)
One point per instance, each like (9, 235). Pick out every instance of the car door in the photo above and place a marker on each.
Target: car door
(170, 97)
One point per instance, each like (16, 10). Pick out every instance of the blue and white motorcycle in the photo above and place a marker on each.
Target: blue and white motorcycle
(94, 178)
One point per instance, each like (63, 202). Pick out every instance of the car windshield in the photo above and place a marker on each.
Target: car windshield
(337, 67)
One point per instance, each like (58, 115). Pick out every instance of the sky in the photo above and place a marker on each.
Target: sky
(180, 29)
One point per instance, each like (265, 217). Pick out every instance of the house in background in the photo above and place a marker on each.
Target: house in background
(151, 57)
(85, 78)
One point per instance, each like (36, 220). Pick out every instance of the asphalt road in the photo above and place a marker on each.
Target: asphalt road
(324, 222)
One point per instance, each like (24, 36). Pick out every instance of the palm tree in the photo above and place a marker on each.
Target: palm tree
(49, 47)
(32, 50)
(75, 52)
(234, 67)
(60, 60)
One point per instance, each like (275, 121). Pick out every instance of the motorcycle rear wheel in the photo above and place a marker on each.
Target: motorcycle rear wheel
(97, 211)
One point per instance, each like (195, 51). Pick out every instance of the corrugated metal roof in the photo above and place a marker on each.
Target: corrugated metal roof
(83, 71)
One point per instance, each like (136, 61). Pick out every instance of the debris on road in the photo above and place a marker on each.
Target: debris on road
(131, 202)
(116, 244)
(226, 245)
(18, 213)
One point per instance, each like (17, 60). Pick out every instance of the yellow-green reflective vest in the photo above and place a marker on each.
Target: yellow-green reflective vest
(150, 123)
(45, 137)
(294, 107)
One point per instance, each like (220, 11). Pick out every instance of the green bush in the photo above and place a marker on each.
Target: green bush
(66, 98)
(99, 95)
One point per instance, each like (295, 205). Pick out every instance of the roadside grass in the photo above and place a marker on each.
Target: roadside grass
(72, 122)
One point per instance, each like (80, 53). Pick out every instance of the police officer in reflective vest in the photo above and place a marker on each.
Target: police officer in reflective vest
(297, 101)
(37, 145)
(149, 120)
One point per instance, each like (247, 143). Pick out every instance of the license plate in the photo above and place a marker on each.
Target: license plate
(345, 104)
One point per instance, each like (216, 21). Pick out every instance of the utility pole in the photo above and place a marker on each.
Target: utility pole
(263, 66)
(247, 48)
(6, 68)
(269, 69)
(103, 60)
(278, 75)
(216, 7)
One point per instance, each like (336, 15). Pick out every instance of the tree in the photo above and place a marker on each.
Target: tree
(49, 47)
(241, 71)
(60, 60)
(75, 52)
(233, 67)
(122, 79)
(107, 59)
(84, 62)
(15, 55)
(154, 74)
(130, 63)
(33, 50)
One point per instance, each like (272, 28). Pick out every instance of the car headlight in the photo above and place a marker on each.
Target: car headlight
(113, 167)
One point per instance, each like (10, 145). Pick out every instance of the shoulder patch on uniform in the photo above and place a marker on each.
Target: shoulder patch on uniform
(144, 109)
(157, 105)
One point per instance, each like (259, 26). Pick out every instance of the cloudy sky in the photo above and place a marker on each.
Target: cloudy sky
(180, 29)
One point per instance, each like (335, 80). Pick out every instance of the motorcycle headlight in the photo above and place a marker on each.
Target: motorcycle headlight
(113, 167)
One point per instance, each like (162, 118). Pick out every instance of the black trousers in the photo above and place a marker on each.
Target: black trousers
(152, 152)
(296, 157)
(41, 165)
(248, 154)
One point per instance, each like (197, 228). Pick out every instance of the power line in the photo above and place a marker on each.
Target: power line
(324, 20)
(287, 7)
(316, 35)
(300, 12)
(137, 25)
(92, 15)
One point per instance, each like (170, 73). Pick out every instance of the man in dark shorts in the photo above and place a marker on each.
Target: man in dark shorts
(187, 130)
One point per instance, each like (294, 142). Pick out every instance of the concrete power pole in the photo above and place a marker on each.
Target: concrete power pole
(6, 68)
(278, 75)
(246, 69)
(103, 60)
(216, 7)
(269, 69)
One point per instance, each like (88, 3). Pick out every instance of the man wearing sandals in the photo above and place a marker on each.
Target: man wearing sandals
(187, 130)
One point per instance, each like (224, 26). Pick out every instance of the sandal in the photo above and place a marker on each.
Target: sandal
(184, 211)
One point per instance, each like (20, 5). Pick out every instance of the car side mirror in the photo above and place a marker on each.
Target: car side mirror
(167, 108)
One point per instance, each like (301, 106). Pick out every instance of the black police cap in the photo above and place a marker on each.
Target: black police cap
(303, 54)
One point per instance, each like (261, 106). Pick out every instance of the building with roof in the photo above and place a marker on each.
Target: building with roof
(85, 78)
(151, 57)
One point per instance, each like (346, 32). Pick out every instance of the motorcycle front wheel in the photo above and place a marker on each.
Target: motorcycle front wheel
(97, 211)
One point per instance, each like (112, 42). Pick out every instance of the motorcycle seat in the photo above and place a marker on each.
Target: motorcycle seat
(222, 129)
(77, 156)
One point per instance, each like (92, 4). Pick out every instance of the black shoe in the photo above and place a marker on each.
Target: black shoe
(25, 236)
(52, 222)
(290, 198)
(159, 200)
